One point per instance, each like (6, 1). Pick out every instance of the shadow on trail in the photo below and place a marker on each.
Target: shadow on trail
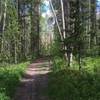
(34, 82)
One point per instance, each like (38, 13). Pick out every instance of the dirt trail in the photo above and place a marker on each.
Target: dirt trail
(34, 82)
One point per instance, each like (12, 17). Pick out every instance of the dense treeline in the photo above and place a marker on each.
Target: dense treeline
(78, 27)
(77, 22)
(19, 42)
(76, 51)
(19, 30)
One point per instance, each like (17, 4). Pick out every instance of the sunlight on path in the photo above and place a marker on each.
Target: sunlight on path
(35, 81)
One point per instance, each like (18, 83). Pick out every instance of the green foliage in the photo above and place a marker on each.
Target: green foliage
(56, 48)
(94, 51)
(12, 23)
(58, 64)
(91, 64)
(71, 84)
(9, 79)
(4, 97)
(74, 85)
(15, 39)
(10, 36)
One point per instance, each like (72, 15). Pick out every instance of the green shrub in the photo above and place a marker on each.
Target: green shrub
(56, 48)
(4, 97)
(73, 85)
(58, 64)
(10, 77)
(91, 64)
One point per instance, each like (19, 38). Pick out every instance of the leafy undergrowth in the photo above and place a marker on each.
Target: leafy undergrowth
(92, 64)
(58, 64)
(9, 79)
(88, 64)
(72, 84)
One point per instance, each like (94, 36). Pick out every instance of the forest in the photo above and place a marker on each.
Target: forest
(49, 49)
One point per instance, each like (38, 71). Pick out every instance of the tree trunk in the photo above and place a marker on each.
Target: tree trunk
(4, 24)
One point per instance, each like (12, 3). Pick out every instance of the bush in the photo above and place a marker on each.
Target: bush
(9, 79)
(55, 49)
(58, 64)
(73, 85)
(4, 97)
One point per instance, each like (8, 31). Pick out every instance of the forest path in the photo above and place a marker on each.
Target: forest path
(34, 82)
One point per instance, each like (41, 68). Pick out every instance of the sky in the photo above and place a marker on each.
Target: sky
(98, 2)
(46, 9)
(98, 7)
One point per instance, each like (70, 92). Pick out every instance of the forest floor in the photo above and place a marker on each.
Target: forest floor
(34, 82)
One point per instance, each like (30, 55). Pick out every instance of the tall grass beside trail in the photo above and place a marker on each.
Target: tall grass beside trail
(72, 84)
(10, 78)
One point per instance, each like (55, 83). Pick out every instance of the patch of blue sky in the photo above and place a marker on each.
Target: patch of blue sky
(98, 6)
(98, 2)
(45, 7)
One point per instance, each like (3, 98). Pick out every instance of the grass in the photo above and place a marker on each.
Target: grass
(9, 79)
(71, 84)
(92, 64)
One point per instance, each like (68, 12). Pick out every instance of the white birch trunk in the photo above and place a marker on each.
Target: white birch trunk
(4, 15)
(55, 16)
(0, 10)
(4, 23)
(63, 18)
